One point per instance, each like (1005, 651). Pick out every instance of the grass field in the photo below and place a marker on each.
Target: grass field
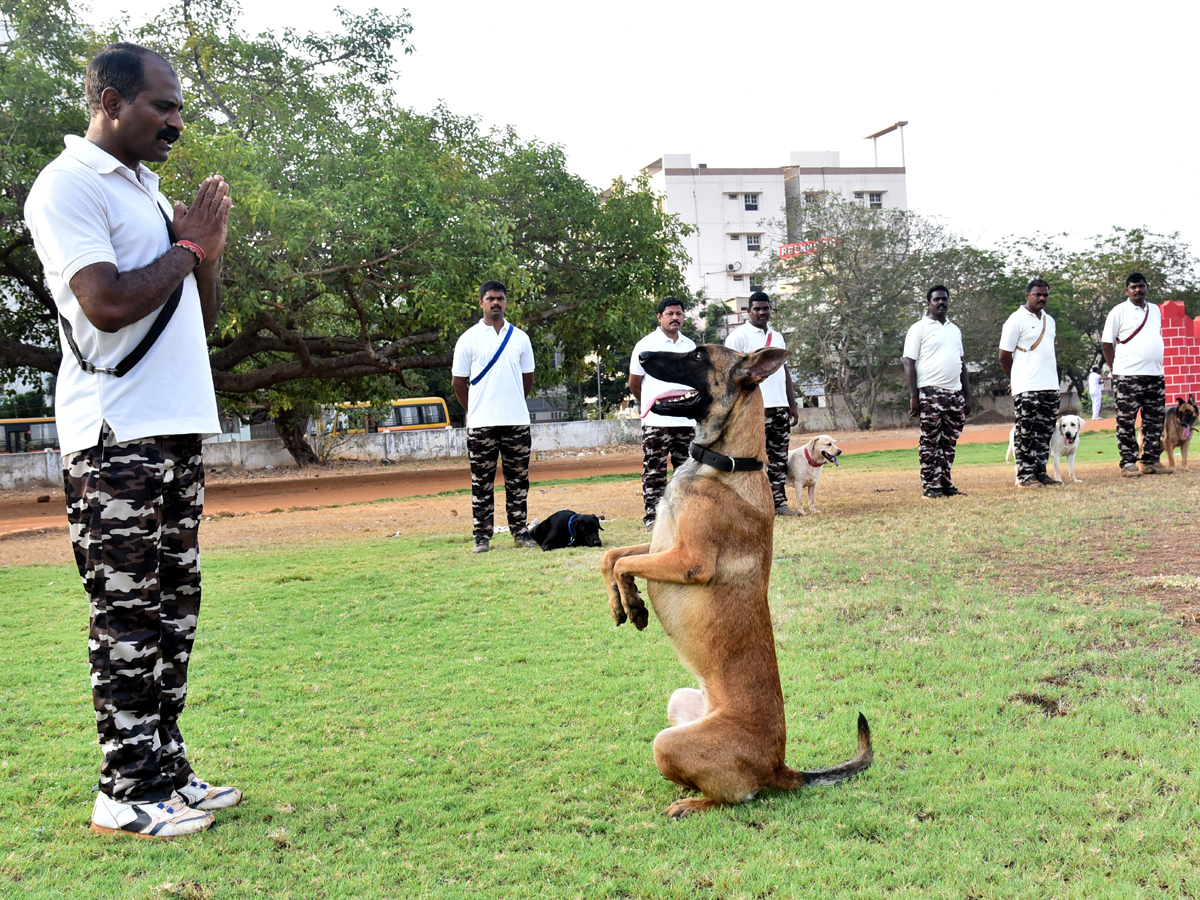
(408, 720)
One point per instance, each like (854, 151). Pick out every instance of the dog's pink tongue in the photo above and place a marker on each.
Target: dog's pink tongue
(665, 395)
(834, 460)
(1187, 432)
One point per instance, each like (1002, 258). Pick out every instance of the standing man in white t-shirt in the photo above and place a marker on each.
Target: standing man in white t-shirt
(133, 401)
(779, 398)
(663, 437)
(939, 391)
(1096, 390)
(1133, 347)
(491, 375)
(1027, 358)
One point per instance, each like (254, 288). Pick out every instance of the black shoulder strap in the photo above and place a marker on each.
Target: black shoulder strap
(135, 356)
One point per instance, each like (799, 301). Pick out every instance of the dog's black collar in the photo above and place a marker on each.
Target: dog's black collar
(722, 462)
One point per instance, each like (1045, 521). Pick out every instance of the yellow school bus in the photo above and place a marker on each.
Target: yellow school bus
(416, 414)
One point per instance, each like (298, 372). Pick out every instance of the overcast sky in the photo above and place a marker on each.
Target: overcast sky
(1023, 116)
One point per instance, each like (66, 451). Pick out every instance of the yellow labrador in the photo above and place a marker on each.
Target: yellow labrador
(804, 468)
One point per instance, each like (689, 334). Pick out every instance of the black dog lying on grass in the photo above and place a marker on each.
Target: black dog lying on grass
(567, 528)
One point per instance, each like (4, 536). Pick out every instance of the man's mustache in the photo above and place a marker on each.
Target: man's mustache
(168, 133)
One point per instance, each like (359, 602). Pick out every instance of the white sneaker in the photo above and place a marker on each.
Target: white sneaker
(200, 795)
(152, 821)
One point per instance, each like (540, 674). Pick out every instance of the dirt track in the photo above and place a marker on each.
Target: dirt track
(242, 493)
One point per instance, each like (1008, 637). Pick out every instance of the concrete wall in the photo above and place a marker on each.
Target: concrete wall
(444, 443)
(247, 454)
(24, 470)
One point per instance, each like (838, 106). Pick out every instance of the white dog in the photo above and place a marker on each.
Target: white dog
(804, 468)
(1064, 441)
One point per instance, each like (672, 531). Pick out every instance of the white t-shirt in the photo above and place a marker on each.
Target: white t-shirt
(937, 350)
(1095, 383)
(746, 339)
(1036, 369)
(1143, 355)
(85, 208)
(654, 342)
(499, 398)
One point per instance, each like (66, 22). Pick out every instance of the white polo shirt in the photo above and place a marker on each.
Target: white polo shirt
(1032, 370)
(86, 208)
(937, 350)
(1143, 355)
(499, 398)
(654, 342)
(746, 339)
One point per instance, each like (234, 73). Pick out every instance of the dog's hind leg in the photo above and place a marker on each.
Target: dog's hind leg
(710, 756)
(689, 805)
(686, 705)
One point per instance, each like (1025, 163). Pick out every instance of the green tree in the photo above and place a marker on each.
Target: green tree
(849, 304)
(42, 49)
(361, 230)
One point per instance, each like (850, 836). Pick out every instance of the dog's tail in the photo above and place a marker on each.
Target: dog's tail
(789, 779)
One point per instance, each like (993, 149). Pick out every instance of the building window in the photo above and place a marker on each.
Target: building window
(753, 242)
(751, 202)
(755, 287)
(875, 201)
(733, 196)
(737, 277)
(812, 198)
(735, 237)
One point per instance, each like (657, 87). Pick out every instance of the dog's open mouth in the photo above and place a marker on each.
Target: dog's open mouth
(830, 457)
(674, 403)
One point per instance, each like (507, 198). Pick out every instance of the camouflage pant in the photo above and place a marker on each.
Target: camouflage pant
(1147, 393)
(779, 432)
(511, 444)
(942, 417)
(1036, 413)
(134, 511)
(659, 444)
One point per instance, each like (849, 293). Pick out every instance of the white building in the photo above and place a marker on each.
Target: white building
(738, 214)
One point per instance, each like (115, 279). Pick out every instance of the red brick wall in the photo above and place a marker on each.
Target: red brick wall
(1181, 335)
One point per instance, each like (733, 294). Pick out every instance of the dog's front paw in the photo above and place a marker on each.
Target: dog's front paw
(813, 509)
(615, 607)
(631, 602)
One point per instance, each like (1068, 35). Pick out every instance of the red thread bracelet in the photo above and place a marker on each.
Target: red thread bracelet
(192, 248)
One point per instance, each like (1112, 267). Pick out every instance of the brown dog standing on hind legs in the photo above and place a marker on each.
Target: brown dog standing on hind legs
(707, 567)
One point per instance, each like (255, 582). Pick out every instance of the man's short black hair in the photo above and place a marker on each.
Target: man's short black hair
(1037, 282)
(118, 66)
(1135, 278)
(670, 301)
(492, 286)
(936, 287)
(758, 297)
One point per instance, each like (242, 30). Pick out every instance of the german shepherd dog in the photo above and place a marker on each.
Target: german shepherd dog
(707, 567)
(1177, 431)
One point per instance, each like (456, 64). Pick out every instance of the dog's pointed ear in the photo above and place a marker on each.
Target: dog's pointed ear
(761, 364)
(1179, 401)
